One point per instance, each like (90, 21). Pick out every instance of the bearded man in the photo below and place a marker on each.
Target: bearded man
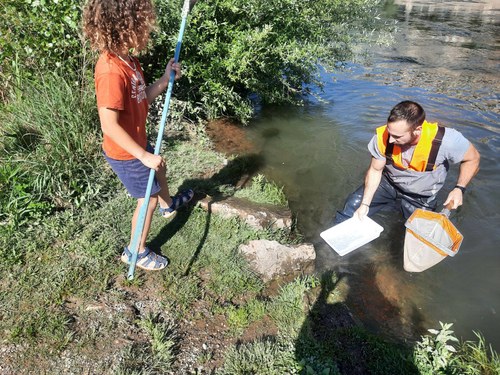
(410, 160)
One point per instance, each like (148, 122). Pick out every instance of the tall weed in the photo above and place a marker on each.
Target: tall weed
(475, 359)
(50, 130)
(434, 354)
(154, 357)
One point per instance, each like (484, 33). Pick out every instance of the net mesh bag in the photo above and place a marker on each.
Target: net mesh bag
(430, 237)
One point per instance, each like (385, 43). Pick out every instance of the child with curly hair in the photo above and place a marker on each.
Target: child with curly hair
(119, 30)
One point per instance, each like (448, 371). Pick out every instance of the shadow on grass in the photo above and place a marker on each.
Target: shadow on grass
(236, 173)
(331, 338)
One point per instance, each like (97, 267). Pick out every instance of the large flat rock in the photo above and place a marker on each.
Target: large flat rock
(270, 259)
(256, 215)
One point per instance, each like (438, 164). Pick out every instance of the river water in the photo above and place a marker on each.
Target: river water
(445, 56)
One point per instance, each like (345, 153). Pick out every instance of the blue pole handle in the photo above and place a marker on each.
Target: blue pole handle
(144, 207)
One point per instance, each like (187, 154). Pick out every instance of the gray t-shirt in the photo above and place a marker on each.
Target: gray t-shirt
(453, 148)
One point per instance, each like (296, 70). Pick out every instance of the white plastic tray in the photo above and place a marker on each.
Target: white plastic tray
(351, 234)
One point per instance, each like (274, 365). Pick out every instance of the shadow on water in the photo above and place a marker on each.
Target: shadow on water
(237, 172)
(331, 337)
(381, 293)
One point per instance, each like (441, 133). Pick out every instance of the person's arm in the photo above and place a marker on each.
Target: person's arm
(372, 180)
(469, 166)
(111, 127)
(156, 88)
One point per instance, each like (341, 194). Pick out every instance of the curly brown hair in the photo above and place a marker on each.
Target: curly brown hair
(116, 25)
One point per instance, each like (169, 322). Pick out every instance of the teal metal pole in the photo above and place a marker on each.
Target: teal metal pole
(143, 210)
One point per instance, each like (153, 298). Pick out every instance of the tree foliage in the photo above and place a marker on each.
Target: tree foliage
(235, 50)
(38, 36)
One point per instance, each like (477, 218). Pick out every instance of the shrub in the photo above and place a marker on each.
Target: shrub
(39, 35)
(234, 49)
(434, 354)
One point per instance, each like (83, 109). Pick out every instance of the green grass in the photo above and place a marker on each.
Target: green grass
(63, 289)
(263, 191)
(261, 357)
(476, 358)
(287, 309)
(162, 341)
(52, 129)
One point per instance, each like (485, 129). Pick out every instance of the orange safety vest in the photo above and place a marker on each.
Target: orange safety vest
(424, 156)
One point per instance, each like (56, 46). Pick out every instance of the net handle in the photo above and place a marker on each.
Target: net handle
(447, 209)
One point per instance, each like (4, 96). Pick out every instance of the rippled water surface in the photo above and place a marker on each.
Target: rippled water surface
(446, 56)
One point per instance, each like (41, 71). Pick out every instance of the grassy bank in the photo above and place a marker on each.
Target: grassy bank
(66, 307)
(64, 295)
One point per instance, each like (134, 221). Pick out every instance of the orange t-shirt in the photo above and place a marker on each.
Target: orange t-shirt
(122, 87)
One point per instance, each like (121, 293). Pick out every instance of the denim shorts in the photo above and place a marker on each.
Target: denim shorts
(134, 175)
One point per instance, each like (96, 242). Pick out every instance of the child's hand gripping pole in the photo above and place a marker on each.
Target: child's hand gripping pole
(134, 249)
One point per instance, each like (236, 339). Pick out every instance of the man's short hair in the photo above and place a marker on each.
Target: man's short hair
(410, 111)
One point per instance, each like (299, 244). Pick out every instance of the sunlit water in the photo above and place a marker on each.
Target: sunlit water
(446, 57)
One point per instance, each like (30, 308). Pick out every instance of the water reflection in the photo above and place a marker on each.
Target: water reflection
(446, 57)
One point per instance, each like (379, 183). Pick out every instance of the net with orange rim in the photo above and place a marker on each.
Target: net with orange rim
(435, 230)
